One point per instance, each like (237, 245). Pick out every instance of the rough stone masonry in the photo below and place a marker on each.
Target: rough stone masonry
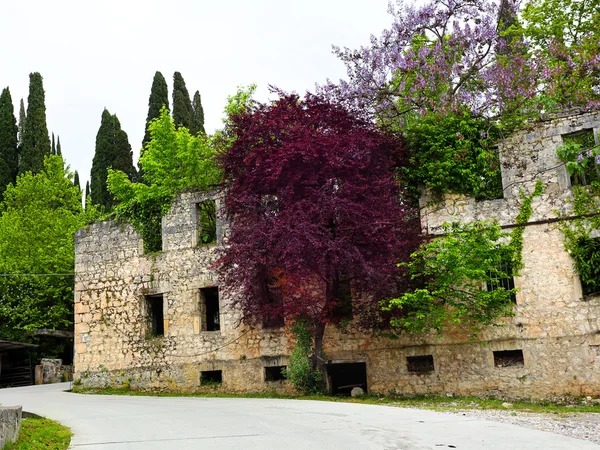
(155, 321)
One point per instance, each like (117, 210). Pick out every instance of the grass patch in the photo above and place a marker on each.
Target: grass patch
(40, 433)
(433, 402)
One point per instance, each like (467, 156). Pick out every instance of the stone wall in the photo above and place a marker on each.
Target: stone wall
(10, 424)
(555, 330)
(113, 340)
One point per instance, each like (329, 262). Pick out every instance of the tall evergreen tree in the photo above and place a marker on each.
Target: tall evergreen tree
(87, 199)
(36, 142)
(159, 97)
(182, 106)
(21, 124)
(112, 150)
(198, 116)
(8, 141)
(76, 181)
(58, 150)
(53, 148)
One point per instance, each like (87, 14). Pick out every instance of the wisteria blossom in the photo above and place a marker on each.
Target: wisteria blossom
(449, 56)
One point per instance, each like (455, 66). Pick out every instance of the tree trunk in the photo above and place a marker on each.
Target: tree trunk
(318, 359)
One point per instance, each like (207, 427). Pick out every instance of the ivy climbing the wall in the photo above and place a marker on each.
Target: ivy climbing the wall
(464, 276)
(525, 211)
(172, 161)
(582, 158)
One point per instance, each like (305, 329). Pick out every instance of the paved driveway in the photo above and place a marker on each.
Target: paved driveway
(122, 422)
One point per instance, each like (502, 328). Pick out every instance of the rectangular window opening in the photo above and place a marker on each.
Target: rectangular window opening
(270, 205)
(491, 183)
(156, 317)
(343, 295)
(508, 358)
(152, 237)
(498, 281)
(209, 308)
(211, 377)
(275, 373)
(583, 144)
(206, 221)
(272, 293)
(420, 364)
(587, 261)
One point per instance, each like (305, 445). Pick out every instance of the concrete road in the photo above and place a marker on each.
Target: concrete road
(122, 422)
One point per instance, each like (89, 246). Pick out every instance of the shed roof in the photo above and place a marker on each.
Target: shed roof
(9, 345)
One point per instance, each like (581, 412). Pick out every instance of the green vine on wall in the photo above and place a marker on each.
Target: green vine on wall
(578, 240)
(516, 237)
(582, 157)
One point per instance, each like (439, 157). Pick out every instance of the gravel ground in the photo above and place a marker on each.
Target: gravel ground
(584, 426)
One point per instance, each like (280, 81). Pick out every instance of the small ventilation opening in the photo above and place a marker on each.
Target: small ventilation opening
(420, 364)
(344, 377)
(508, 358)
(211, 377)
(275, 373)
(156, 315)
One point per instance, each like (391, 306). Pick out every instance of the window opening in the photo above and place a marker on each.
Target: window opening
(343, 377)
(343, 295)
(581, 150)
(588, 266)
(275, 373)
(498, 280)
(491, 183)
(270, 205)
(508, 358)
(210, 309)
(422, 364)
(211, 377)
(272, 293)
(206, 220)
(155, 306)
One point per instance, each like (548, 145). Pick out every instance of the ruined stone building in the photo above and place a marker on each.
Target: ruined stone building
(161, 321)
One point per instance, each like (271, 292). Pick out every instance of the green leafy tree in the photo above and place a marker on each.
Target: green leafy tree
(183, 113)
(112, 151)
(450, 275)
(454, 153)
(159, 97)
(36, 142)
(173, 161)
(566, 34)
(198, 115)
(8, 142)
(40, 214)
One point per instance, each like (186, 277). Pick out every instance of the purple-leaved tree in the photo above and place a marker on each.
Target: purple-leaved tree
(315, 214)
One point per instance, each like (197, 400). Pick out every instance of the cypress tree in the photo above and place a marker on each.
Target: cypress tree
(87, 200)
(182, 106)
(36, 142)
(112, 150)
(76, 181)
(58, 151)
(53, 148)
(8, 141)
(21, 125)
(159, 97)
(198, 116)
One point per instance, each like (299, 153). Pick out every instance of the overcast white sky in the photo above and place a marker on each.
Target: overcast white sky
(94, 54)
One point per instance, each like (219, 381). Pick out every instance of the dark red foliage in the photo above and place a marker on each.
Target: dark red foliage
(312, 202)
